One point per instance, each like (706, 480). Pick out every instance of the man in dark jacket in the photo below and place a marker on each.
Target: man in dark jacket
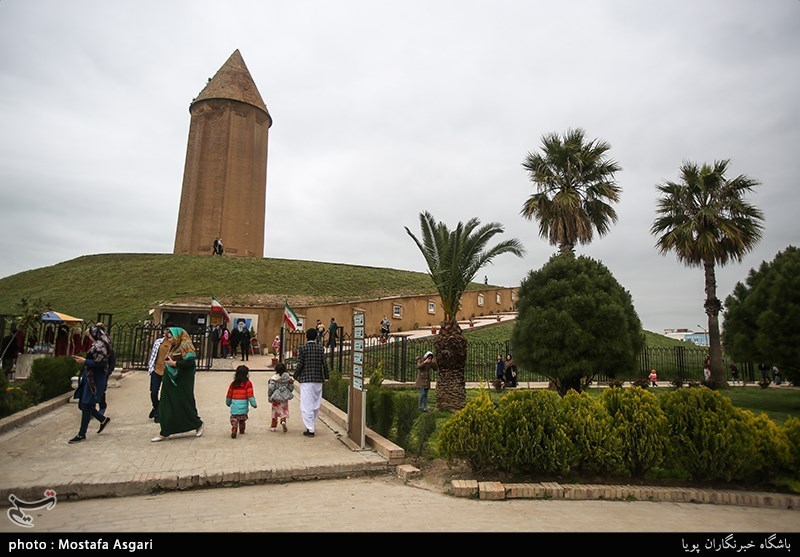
(312, 373)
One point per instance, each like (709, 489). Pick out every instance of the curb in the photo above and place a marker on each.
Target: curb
(496, 491)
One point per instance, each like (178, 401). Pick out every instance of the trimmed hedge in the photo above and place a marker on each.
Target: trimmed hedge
(533, 435)
(472, 434)
(710, 438)
(791, 428)
(692, 433)
(590, 427)
(641, 426)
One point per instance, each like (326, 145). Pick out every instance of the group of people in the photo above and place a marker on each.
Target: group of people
(311, 372)
(216, 248)
(172, 368)
(505, 372)
(238, 340)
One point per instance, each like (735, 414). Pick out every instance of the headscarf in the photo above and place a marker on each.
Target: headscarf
(180, 344)
(101, 347)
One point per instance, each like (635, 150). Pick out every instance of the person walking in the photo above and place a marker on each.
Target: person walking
(155, 367)
(385, 325)
(92, 384)
(178, 409)
(239, 399)
(312, 373)
(280, 393)
(425, 364)
(111, 365)
(332, 331)
(320, 332)
(734, 373)
(276, 346)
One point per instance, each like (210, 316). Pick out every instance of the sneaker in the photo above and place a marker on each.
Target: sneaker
(283, 425)
(199, 431)
(103, 425)
(273, 429)
(308, 433)
(77, 439)
(233, 433)
(159, 438)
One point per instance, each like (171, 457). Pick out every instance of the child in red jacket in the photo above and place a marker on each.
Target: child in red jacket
(240, 398)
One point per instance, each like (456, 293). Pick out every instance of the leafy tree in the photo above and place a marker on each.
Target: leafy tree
(706, 221)
(575, 183)
(762, 316)
(575, 320)
(454, 257)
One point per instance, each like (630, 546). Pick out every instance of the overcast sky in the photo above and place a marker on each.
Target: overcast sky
(385, 109)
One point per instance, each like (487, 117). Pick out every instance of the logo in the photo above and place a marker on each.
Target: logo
(16, 513)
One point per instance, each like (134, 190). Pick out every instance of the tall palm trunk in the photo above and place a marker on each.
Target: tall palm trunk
(713, 306)
(451, 357)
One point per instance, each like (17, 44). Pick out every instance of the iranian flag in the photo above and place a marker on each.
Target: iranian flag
(289, 317)
(216, 307)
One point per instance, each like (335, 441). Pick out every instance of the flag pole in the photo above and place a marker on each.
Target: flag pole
(283, 329)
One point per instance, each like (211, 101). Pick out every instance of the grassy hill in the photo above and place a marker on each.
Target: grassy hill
(127, 285)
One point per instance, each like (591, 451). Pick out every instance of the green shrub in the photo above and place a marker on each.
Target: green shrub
(791, 428)
(709, 437)
(53, 376)
(772, 444)
(472, 434)
(641, 427)
(533, 436)
(424, 427)
(380, 410)
(335, 391)
(590, 427)
(406, 411)
(13, 397)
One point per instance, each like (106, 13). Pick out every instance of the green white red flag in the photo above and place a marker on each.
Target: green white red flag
(289, 317)
(216, 307)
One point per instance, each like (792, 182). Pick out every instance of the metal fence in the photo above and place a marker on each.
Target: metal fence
(396, 356)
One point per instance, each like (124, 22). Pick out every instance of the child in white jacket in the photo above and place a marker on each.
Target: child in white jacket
(280, 393)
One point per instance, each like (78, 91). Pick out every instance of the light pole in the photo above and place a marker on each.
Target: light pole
(705, 333)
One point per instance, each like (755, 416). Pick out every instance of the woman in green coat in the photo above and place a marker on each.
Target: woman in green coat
(177, 407)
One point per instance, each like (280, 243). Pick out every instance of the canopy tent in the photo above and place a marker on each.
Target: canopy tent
(58, 317)
(66, 345)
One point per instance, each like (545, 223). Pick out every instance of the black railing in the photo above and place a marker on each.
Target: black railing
(395, 356)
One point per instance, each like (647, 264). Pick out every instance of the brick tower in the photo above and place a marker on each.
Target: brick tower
(225, 176)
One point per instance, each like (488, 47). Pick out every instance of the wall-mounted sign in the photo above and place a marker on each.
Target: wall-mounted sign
(358, 332)
(358, 345)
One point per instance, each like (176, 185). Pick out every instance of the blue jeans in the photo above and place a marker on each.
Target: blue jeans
(423, 398)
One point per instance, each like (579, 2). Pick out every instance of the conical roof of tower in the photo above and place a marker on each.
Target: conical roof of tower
(233, 81)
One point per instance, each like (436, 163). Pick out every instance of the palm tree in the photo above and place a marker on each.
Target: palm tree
(574, 181)
(705, 220)
(454, 257)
